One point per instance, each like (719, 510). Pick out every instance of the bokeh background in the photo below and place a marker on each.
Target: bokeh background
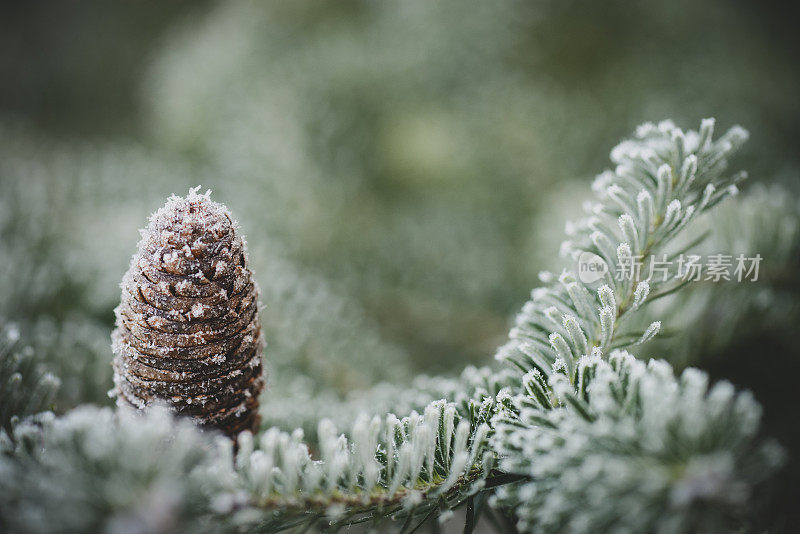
(402, 170)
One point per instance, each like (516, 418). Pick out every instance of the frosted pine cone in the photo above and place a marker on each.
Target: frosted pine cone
(188, 333)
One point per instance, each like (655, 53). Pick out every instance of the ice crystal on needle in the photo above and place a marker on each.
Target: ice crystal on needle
(188, 332)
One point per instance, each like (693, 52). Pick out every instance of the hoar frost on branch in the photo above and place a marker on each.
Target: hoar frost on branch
(671, 454)
(25, 386)
(663, 180)
(580, 435)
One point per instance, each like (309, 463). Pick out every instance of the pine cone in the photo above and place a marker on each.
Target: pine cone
(188, 333)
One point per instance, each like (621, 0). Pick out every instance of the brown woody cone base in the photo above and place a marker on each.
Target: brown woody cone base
(188, 333)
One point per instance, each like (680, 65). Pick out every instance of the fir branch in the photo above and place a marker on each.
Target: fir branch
(593, 435)
(648, 452)
(25, 387)
(434, 459)
(664, 179)
(674, 177)
(389, 467)
(94, 470)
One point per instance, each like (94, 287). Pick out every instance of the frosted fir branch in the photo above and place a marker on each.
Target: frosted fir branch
(664, 178)
(676, 454)
(565, 324)
(421, 465)
(386, 467)
(25, 387)
(94, 470)
(595, 436)
(434, 459)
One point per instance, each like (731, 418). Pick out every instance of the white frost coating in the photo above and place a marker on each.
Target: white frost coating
(642, 413)
(640, 293)
(629, 231)
(179, 215)
(12, 333)
(606, 296)
(347, 465)
(650, 333)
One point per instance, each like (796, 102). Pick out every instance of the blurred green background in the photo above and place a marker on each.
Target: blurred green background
(402, 170)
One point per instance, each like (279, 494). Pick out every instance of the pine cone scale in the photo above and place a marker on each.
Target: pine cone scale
(142, 371)
(233, 352)
(159, 298)
(208, 370)
(187, 354)
(236, 379)
(186, 334)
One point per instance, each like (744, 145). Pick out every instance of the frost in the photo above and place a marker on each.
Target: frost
(198, 310)
(567, 452)
(640, 293)
(588, 433)
(650, 333)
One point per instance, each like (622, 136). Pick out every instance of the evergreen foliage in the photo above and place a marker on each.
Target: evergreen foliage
(94, 470)
(574, 430)
(676, 454)
(25, 387)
